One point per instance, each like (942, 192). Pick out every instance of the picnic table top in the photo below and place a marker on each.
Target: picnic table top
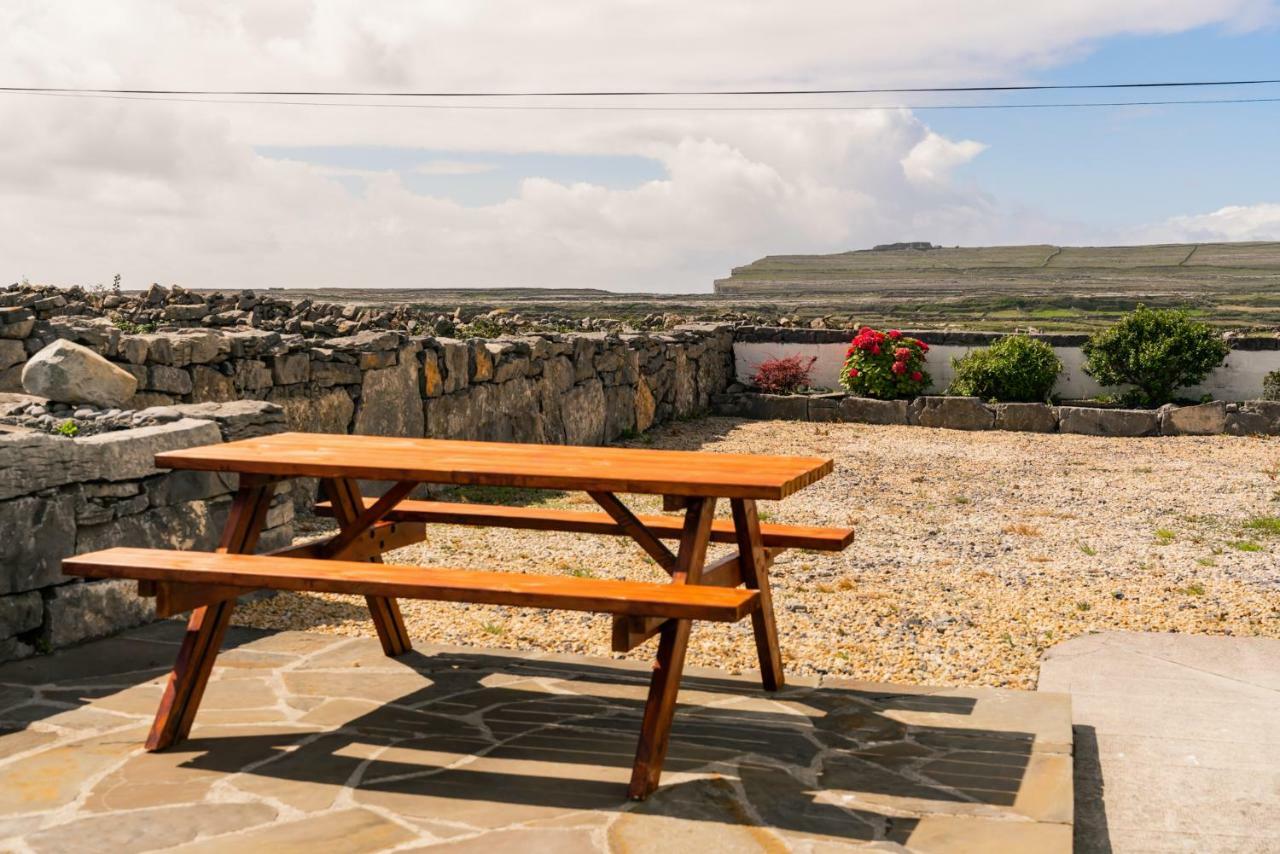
(567, 467)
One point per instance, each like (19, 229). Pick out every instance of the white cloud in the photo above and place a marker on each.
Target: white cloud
(1234, 222)
(453, 167)
(176, 191)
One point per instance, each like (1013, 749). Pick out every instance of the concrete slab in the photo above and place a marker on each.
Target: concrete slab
(318, 742)
(1177, 740)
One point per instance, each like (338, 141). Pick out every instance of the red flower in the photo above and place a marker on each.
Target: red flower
(899, 368)
(924, 348)
(853, 372)
(875, 349)
(895, 334)
(916, 376)
(902, 354)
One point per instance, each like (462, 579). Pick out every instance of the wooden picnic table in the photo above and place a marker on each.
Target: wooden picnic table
(726, 589)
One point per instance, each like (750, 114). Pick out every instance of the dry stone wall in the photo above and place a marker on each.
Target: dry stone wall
(61, 496)
(557, 388)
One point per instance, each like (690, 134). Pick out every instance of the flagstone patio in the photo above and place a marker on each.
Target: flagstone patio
(316, 742)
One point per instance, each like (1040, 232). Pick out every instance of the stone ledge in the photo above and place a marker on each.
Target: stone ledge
(1256, 417)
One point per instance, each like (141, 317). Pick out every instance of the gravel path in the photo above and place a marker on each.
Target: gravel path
(975, 552)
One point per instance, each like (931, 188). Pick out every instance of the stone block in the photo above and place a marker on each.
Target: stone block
(11, 353)
(481, 362)
(432, 378)
(290, 368)
(455, 358)
(82, 611)
(132, 349)
(390, 403)
(326, 374)
(1025, 417)
(685, 401)
(211, 385)
(1206, 419)
(952, 413)
(179, 487)
(16, 322)
(30, 462)
(1254, 418)
(130, 454)
(774, 407)
(644, 406)
(69, 373)
(376, 359)
(466, 414)
(1092, 421)
(825, 407)
(251, 375)
(194, 525)
(584, 357)
(238, 419)
(324, 412)
(868, 410)
(36, 533)
(20, 612)
(169, 380)
(582, 411)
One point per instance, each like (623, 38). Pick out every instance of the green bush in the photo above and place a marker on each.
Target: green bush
(1271, 386)
(1157, 351)
(1015, 368)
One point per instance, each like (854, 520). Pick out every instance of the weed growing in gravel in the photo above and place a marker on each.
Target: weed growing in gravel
(1164, 536)
(1206, 561)
(1245, 546)
(962, 499)
(1088, 549)
(581, 572)
(1083, 606)
(1195, 588)
(1266, 525)
(1022, 529)
(493, 628)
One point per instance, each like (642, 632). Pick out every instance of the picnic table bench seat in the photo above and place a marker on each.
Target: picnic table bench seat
(273, 572)
(582, 522)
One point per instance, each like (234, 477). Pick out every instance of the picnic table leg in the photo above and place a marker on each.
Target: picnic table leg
(348, 507)
(208, 624)
(755, 575)
(673, 643)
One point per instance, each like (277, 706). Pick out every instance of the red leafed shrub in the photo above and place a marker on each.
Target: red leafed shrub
(783, 376)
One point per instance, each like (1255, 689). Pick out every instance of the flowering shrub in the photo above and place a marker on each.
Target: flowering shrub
(783, 376)
(885, 365)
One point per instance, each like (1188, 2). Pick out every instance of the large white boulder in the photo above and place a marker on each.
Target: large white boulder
(69, 373)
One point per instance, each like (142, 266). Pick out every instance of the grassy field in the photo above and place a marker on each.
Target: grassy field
(1049, 288)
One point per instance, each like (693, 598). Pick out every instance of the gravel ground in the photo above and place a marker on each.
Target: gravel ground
(975, 552)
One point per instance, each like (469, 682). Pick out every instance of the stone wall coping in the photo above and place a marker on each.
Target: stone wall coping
(1251, 417)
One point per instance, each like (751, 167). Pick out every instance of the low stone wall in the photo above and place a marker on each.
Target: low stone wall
(1256, 417)
(1240, 378)
(557, 388)
(60, 497)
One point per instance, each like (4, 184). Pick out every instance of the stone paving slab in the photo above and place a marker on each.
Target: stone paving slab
(313, 742)
(1177, 740)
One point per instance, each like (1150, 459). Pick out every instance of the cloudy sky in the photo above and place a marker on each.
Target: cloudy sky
(381, 192)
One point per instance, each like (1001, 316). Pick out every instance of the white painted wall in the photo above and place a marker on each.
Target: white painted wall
(1239, 379)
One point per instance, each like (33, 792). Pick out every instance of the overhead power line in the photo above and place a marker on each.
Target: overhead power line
(649, 107)
(1037, 87)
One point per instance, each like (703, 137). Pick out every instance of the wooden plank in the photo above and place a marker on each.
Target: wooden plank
(583, 522)
(174, 597)
(636, 470)
(355, 518)
(664, 685)
(755, 574)
(452, 585)
(208, 624)
(630, 632)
